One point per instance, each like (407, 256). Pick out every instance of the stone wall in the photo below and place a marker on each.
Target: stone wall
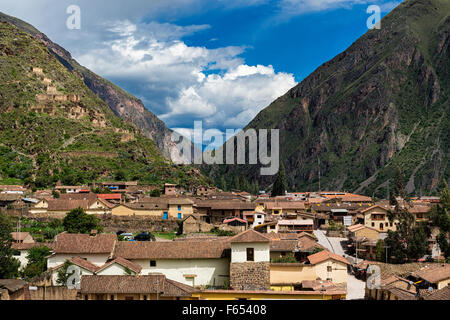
(138, 224)
(250, 276)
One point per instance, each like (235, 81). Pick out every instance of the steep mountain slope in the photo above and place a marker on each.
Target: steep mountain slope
(54, 128)
(380, 104)
(121, 103)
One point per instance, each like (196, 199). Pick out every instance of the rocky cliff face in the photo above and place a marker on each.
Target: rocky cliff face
(380, 104)
(121, 103)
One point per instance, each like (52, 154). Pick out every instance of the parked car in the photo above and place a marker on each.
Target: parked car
(145, 236)
(127, 236)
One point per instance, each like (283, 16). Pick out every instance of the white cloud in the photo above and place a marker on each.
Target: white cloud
(182, 83)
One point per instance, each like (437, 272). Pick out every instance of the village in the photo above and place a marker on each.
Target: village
(207, 244)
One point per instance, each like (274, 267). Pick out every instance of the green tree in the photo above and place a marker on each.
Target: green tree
(9, 266)
(236, 185)
(380, 251)
(78, 221)
(37, 261)
(280, 185)
(62, 276)
(223, 183)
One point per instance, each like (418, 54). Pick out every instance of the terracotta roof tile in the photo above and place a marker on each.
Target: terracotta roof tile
(84, 243)
(249, 236)
(195, 249)
(325, 255)
(135, 284)
(433, 273)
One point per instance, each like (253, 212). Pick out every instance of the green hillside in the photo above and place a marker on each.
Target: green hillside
(381, 104)
(54, 128)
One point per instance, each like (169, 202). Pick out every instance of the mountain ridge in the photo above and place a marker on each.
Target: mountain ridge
(121, 102)
(380, 104)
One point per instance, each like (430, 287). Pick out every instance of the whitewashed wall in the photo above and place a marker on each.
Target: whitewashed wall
(239, 252)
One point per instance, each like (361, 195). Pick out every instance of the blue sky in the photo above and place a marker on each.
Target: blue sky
(217, 61)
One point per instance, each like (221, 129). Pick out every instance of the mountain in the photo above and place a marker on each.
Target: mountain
(54, 128)
(121, 103)
(381, 104)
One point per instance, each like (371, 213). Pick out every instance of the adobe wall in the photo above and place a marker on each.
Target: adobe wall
(53, 293)
(250, 275)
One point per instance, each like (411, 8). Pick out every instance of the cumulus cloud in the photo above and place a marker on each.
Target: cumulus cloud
(182, 83)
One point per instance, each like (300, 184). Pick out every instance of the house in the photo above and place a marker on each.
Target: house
(193, 224)
(255, 218)
(436, 276)
(71, 189)
(377, 217)
(393, 287)
(215, 211)
(441, 294)
(12, 189)
(126, 287)
(420, 212)
(196, 263)
(94, 248)
(10, 199)
(114, 198)
(330, 266)
(205, 190)
(306, 225)
(14, 289)
(170, 189)
(324, 266)
(63, 205)
(22, 237)
(359, 231)
(164, 208)
(285, 209)
(299, 247)
(237, 223)
(250, 261)
(120, 187)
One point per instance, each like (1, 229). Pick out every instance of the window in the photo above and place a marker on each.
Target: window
(259, 216)
(272, 227)
(250, 254)
(86, 297)
(276, 212)
(112, 297)
(145, 297)
(386, 224)
(152, 263)
(165, 216)
(373, 224)
(179, 216)
(179, 208)
(329, 268)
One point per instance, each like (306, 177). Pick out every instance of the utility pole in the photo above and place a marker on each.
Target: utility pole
(386, 247)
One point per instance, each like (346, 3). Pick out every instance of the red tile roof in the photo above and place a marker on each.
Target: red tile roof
(325, 255)
(124, 263)
(110, 196)
(145, 284)
(84, 243)
(195, 249)
(249, 236)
